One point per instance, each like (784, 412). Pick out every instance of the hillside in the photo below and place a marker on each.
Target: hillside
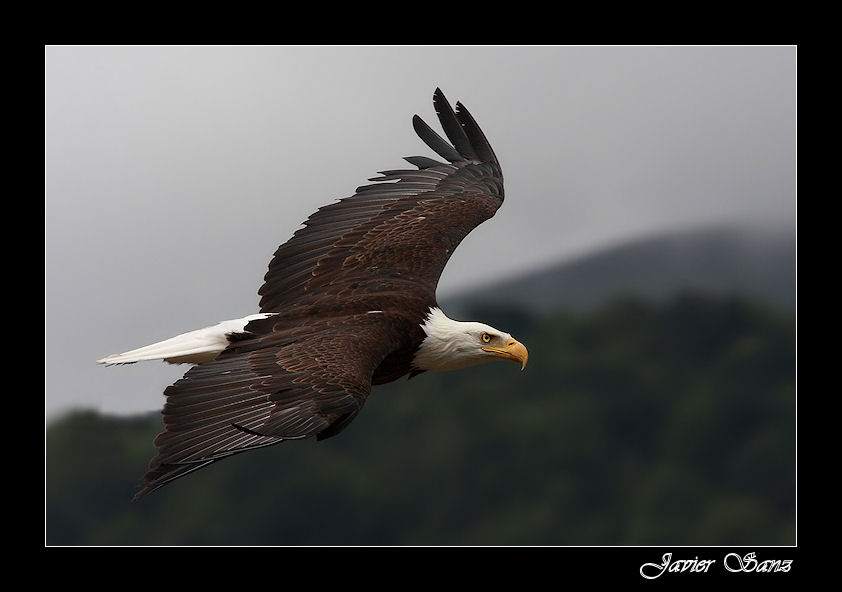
(638, 423)
(717, 261)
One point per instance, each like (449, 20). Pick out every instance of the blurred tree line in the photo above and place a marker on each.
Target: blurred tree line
(637, 424)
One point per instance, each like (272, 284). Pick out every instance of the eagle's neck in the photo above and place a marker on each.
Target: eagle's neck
(444, 347)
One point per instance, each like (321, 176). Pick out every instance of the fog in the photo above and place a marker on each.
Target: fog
(173, 173)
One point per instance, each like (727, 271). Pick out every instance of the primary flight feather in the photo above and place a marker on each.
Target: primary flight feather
(348, 302)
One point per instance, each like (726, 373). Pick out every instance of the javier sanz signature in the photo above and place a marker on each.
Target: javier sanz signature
(732, 562)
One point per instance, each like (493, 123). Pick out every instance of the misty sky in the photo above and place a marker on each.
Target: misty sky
(173, 173)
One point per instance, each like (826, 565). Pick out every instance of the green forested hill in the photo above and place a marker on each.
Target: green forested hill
(636, 424)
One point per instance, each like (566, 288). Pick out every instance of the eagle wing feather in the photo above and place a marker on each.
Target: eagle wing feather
(407, 223)
(290, 383)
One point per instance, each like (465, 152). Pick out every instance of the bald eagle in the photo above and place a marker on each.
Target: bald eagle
(348, 302)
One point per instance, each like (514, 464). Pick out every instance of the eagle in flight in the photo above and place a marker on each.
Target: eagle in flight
(348, 302)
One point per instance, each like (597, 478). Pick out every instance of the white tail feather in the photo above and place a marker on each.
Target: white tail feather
(195, 347)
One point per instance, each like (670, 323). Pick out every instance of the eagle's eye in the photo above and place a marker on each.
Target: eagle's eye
(486, 337)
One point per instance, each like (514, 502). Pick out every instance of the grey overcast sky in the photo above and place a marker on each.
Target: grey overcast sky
(173, 173)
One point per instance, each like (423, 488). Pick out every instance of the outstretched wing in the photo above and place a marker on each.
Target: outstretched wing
(290, 382)
(405, 226)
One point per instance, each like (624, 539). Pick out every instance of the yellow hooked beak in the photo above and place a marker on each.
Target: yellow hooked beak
(514, 350)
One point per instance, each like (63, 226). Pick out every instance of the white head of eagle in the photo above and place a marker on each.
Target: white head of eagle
(451, 345)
